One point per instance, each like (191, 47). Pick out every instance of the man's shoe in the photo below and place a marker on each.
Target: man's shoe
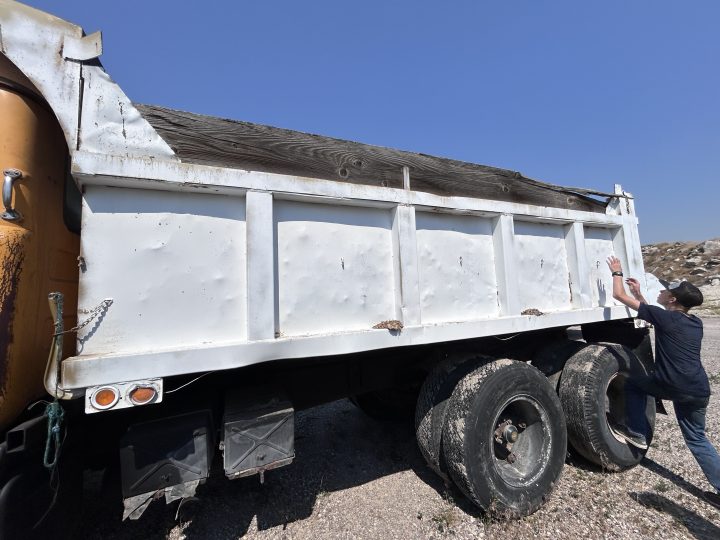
(712, 497)
(630, 437)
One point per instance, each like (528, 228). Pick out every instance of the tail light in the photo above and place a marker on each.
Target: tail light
(123, 395)
(105, 397)
(141, 395)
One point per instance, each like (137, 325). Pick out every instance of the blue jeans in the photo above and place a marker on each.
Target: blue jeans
(690, 414)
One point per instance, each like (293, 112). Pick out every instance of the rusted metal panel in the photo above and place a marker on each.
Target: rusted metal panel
(12, 254)
(37, 253)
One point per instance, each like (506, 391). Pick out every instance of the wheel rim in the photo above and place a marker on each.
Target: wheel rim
(520, 461)
(615, 404)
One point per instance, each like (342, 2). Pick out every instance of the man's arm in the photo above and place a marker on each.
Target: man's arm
(619, 293)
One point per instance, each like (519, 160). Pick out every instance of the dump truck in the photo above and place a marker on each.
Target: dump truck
(175, 287)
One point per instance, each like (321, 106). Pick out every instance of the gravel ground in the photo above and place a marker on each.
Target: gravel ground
(357, 478)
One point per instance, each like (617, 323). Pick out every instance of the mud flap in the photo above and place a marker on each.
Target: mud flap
(135, 506)
(258, 434)
(167, 457)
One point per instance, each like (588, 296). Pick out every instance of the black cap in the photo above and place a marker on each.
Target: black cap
(685, 292)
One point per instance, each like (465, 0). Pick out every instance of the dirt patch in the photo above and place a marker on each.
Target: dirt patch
(389, 325)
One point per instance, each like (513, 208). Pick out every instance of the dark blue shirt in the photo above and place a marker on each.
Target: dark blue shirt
(678, 337)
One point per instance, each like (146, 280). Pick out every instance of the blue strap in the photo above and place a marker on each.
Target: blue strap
(55, 414)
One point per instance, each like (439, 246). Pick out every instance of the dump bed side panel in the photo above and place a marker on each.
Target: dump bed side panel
(230, 274)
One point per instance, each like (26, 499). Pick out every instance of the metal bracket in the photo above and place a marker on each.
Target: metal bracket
(84, 48)
(53, 367)
(10, 214)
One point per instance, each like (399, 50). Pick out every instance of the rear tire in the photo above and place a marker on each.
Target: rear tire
(507, 480)
(432, 406)
(592, 395)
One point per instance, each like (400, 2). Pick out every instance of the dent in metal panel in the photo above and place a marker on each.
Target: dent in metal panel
(174, 265)
(457, 268)
(334, 268)
(542, 266)
(598, 247)
(81, 372)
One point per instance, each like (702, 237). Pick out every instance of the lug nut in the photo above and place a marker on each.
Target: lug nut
(510, 433)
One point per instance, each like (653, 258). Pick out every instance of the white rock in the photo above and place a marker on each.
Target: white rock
(712, 246)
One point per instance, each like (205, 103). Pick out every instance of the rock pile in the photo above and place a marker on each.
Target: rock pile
(698, 263)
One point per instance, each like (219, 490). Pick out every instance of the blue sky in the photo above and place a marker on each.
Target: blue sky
(574, 93)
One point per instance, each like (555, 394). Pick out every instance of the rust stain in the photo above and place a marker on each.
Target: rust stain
(13, 255)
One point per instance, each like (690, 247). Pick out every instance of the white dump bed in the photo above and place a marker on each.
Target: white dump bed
(279, 267)
(212, 266)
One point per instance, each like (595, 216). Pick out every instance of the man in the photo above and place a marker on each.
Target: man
(679, 375)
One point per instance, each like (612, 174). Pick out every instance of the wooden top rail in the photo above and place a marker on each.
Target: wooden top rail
(209, 140)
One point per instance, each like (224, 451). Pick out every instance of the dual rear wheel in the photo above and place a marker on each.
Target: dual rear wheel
(497, 427)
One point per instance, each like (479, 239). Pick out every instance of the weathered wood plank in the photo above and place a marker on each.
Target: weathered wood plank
(220, 142)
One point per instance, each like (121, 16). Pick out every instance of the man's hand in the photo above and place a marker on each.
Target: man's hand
(619, 293)
(634, 286)
(614, 264)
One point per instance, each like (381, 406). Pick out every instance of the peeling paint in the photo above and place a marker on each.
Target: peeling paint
(12, 253)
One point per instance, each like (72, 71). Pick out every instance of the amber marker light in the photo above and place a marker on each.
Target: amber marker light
(105, 398)
(140, 395)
